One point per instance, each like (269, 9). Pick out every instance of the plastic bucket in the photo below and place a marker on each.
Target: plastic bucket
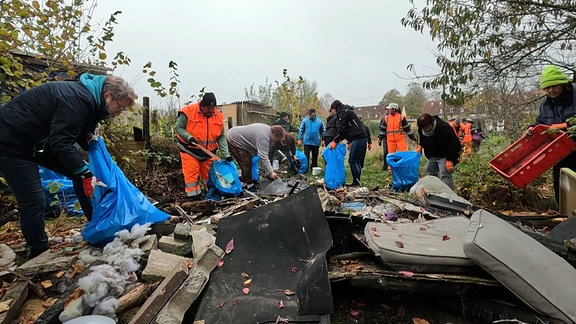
(316, 171)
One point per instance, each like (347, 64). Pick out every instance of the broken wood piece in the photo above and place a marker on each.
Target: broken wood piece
(161, 295)
(184, 297)
(14, 298)
(136, 296)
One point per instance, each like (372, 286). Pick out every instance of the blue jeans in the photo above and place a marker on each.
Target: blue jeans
(357, 154)
(437, 167)
(23, 178)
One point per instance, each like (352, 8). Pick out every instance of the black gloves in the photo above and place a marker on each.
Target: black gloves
(192, 141)
(412, 137)
(229, 158)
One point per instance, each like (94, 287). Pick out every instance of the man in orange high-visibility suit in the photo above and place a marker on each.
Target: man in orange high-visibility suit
(198, 124)
(394, 125)
(455, 124)
(466, 135)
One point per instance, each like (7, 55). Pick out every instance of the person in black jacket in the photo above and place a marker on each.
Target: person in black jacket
(350, 128)
(441, 147)
(330, 128)
(42, 126)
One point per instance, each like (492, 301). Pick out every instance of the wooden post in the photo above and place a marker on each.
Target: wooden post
(146, 120)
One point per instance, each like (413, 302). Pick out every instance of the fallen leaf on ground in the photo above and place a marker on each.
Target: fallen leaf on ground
(246, 291)
(417, 320)
(408, 274)
(280, 304)
(220, 263)
(229, 246)
(354, 312)
(445, 238)
(289, 292)
(399, 244)
(5, 305)
(245, 275)
(247, 283)
(293, 269)
(46, 284)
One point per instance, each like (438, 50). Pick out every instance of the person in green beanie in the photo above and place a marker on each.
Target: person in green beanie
(558, 106)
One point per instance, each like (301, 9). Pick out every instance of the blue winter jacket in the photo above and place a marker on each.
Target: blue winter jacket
(311, 131)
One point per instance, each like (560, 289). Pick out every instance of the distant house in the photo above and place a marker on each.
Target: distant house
(374, 112)
(439, 108)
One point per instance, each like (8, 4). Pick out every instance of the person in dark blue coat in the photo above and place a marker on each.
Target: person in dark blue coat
(555, 110)
(43, 126)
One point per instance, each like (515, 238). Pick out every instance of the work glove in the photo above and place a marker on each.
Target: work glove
(299, 142)
(419, 149)
(229, 158)
(559, 126)
(369, 146)
(192, 141)
(89, 182)
(332, 145)
(412, 136)
(449, 166)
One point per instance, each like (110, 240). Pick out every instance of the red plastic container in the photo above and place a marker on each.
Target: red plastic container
(530, 156)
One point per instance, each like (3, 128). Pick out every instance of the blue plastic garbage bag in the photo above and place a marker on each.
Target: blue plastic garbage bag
(404, 167)
(59, 192)
(335, 175)
(255, 174)
(300, 156)
(223, 181)
(119, 206)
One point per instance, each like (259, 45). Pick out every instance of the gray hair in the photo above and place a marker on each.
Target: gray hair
(119, 89)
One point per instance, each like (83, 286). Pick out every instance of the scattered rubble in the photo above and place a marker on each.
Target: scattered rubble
(154, 273)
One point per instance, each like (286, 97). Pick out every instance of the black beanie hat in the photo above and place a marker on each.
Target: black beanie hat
(209, 99)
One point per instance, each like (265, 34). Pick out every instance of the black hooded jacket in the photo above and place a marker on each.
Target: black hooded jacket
(443, 144)
(348, 125)
(49, 119)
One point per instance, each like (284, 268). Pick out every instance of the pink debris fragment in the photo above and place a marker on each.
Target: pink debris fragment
(220, 263)
(280, 304)
(246, 291)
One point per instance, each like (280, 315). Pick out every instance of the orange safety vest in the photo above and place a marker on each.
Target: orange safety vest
(394, 129)
(205, 130)
(453, 125)
(466, 130)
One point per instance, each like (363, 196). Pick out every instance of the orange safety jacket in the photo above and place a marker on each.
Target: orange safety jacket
(205, 130)
(466, 130)
(396, 125)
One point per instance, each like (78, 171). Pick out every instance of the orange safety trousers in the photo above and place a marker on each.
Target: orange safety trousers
(194, 170)
(397, 146)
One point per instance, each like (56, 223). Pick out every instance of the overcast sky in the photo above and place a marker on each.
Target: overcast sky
(353, 50)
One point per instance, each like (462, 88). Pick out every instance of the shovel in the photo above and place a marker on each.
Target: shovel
(205, 150)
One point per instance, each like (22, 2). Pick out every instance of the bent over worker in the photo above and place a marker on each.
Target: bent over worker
(199, 124)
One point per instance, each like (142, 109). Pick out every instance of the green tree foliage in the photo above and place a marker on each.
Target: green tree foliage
(392, 96)
(294, 96)
(264, 94)
(414, 99)
(57, 33)
(482, 42)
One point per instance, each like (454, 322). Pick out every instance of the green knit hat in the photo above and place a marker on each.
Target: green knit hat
(551, 76)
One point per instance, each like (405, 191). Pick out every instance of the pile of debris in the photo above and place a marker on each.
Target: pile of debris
(272, 256)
